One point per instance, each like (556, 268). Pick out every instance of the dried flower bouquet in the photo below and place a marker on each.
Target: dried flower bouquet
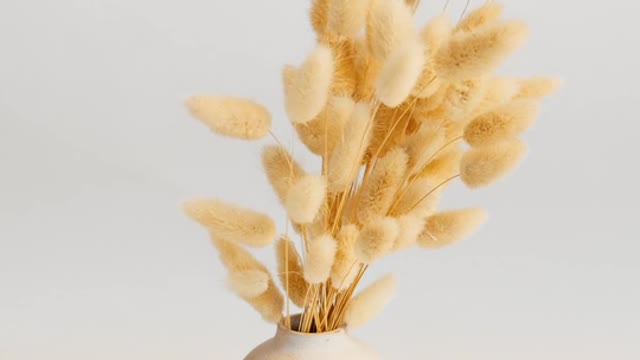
(396, 114)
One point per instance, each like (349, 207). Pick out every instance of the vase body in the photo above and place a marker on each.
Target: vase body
(292, 345)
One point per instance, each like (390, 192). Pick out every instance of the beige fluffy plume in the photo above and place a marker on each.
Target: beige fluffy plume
(387, 130)
(377, 194)
(319, 16)
(367, 68)
(231, 222)
(322, 134)
(423, 145)
(412, 4)
(389, 25)
(270, 303)
(500, 90)
(445, 228)
(443, 166)
(344, 269)
(344, 162)
(433, 36)
(249, 283)
(319, 260)
(421, 197)
(504, 123)
(376, 239)
(482, 166)
(486, 14)
(370, 301)
(470, 54)
(410, 225)
(463, 98)
(282, 170)
(436, 33)
(431, 104)
(305, 198)
(344, 74)
(537, 87)
(307, 88)
(290, 272)
(230, 116)
(319, 224)
(235, 258)
(347, 17)
(427, 84)
(400, 73)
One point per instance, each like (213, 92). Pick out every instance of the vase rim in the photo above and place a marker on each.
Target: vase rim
(296, 318)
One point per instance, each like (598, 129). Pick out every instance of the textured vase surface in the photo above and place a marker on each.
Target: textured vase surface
(292, 345)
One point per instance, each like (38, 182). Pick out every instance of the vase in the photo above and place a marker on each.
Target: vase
(293, 345)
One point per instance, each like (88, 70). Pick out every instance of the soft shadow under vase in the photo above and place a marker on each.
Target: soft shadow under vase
(293, 345)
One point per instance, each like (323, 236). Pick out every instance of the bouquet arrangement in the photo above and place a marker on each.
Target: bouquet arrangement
(396, 114)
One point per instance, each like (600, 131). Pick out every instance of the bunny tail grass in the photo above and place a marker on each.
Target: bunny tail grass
(376, 239)
(388, 130)
(248, 283)
(319, 16)
(345, 160)
(305, 198)
(538, 87)
(436, 33)
(421, 197)
(423, 145)
(319, 260)
(500, 90)
(290, 271)
(281, 169)
(370, 301)
(443, 166)
(347, 17)
(470, 54)
(389, 25)
(307, 88)
(269, 303)
(448, 227)
(484, 165)
(393, 114)
(229, 116)
(400, 73)
(412, 4)
(234, 257)
(344, 269)
(325, 131)
(486, 14)
(232, 223)
(410, 225)
(432, 101)
(345, 76)
(377, 194)
(433, 36)
(503, 123)
(463, 97)
(367, 68)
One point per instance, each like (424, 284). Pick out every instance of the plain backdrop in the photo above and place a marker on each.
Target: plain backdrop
(97, 153)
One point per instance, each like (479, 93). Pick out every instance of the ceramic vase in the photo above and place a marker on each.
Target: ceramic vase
(292, 345)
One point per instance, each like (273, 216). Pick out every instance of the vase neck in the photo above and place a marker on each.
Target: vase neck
(284, 332)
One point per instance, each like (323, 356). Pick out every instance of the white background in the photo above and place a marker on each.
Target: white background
(97, 153)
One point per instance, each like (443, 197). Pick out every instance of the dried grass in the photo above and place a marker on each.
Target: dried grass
(388, 112)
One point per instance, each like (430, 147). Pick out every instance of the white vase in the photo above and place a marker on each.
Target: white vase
(293, 345)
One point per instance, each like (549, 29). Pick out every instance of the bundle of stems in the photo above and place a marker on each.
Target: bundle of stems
(396, 114)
